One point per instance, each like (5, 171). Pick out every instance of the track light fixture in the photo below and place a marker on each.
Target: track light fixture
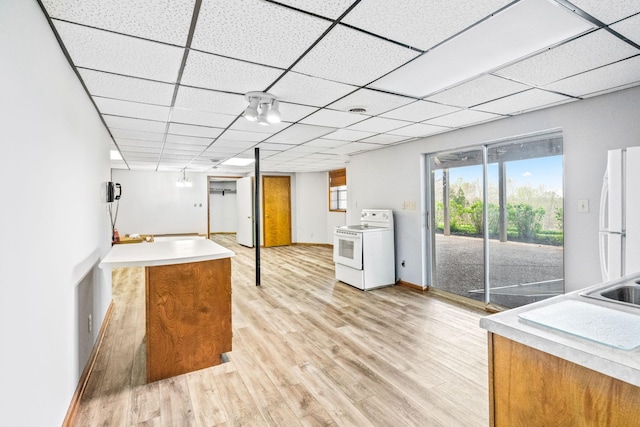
(184, 181)
(262, 109)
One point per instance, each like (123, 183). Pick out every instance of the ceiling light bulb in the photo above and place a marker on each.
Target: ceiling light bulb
(251, 113)
(264, 111)
(273, 115)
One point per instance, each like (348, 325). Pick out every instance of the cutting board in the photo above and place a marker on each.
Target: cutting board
(604, 325)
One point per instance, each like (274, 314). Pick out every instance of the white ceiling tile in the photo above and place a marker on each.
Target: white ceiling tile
(477, 91)
(134, 134)
(241, 29)
(355, 57)
(127, 88)
(167, 21)
(209, 100)
(190, 130)
(515, 32)
(463, 118)
(585, 53)
(329, 8)
(524, 101)
(221, 143)
(630, 28)
(134, 124)
(117, 107)
(237, 135)
(612, 77)
(354, 147)
(305, 149)
(333, 118)
(215, 72)
(245, 125)
(128, 143)
(144, 157)
(418, 23)
(185, 145)
(190, 140)
(419, 111)
(373, 101)
(608, 11)
(384, 139)
(299, 133)
(378, 124)
(218, 151)
(350, 135)
(307, 90)
(204, 118)
(115, 53)
(273, 147)
(134, 150)
(326, 143)
(420, 130)
(294, 112)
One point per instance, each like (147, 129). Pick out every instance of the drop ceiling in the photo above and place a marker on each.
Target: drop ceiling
(168, 78)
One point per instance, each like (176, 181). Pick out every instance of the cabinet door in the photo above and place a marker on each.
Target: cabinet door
(528, 387)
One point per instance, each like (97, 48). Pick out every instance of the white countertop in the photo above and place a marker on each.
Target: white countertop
(606, 359)
(164, 253)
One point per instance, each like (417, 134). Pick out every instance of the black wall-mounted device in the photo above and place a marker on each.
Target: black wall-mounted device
(114, 191)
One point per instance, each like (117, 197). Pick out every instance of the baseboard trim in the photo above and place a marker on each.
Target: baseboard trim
(324, 245)
(457, 299)
(412, 286)
(86, 372)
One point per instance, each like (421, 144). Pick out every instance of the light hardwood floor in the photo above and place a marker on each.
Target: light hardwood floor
(307, 350)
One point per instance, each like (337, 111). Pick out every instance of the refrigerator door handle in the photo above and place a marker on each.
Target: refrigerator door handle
(604, 194)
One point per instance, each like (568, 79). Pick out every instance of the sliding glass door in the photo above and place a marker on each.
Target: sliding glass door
(458, 255)
(515, 188)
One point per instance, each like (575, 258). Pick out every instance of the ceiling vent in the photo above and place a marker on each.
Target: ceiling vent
(358, 109)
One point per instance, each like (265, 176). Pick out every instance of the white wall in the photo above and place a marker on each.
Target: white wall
(152, 204)
(223, 211)
(53, 212)
(312, 207)
(389, 176)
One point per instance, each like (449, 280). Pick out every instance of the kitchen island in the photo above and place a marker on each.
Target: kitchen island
(568, 360)
(187, 302)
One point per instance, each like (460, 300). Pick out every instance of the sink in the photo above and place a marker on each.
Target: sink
(623, 293)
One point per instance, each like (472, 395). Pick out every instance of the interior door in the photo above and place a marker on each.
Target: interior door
(276, 210)
(244, 197)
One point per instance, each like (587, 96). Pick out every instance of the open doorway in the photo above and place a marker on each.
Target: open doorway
(222, 212)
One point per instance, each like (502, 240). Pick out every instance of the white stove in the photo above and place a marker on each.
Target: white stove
(364, 254)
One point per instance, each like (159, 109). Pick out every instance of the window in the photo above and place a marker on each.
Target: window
(338, 190)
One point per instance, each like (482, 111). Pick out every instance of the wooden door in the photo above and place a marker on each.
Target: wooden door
(276, 210)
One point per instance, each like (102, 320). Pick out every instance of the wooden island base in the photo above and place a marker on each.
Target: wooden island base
(188, 316)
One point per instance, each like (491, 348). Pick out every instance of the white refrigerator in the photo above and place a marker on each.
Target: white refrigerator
(620, 214)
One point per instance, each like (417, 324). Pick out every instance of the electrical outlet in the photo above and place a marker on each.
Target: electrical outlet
(90, 323)
(583, 205)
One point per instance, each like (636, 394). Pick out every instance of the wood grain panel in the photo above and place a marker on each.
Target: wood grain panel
(533, 388)
(188, 316)
(276, 196)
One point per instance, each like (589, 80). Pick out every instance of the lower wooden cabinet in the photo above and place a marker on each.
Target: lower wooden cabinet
(528, 387)
(188, 316)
